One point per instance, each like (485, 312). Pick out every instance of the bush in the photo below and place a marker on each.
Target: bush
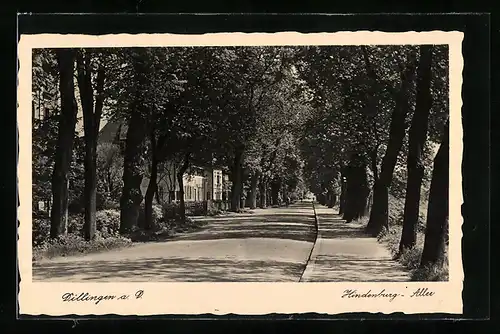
(391, 238)
(157, 215)
(196, 208)
(72, 244)
(193, 208)
(108, 222)
(410, 258)
(361, 220)
(431, 273)
(106, 203)
(75, 224)
(216, 207)
(169, 210)
(396, 212)
(40, 230)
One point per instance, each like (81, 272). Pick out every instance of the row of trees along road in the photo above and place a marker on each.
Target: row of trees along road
(379, 114)
(278, 119)
(196, 106)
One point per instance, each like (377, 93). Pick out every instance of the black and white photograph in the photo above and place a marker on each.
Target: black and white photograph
(242, 163)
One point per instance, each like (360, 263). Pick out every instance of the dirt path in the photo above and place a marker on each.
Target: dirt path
(343, 253)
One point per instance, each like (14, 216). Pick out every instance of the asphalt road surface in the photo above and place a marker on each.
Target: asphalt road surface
(267, 245)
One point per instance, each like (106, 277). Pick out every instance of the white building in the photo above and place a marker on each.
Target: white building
(200, 184)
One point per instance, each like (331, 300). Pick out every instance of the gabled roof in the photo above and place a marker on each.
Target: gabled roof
(113, 131)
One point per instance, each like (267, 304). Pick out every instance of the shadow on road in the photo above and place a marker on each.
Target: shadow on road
(334, 227)
(268, 245)
(345, 253)
(173, 269)
(355, 269)
(276, 226)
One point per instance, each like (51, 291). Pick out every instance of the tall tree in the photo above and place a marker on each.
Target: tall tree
(417, 139)
(153, 181)
(164, 115)
(135, 143)
(46, 97)
(66, 134)
(437, 210)
(91, 122)
(247, 75)
(379, 217)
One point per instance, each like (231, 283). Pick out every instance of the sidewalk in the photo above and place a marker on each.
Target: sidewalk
(343, 253)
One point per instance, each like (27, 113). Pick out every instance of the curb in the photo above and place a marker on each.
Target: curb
(316, 226)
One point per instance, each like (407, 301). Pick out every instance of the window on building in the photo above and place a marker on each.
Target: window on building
(218, 179)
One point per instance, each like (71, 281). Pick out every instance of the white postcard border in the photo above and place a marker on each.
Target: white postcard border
(39, 298)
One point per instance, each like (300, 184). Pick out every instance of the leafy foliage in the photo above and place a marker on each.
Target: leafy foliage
(109, 171)
(298, 114)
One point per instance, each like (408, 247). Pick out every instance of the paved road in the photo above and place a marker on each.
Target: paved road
(269, 245)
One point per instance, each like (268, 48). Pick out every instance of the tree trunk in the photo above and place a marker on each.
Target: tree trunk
(152, 186)
(342, 195)
(263, 192)
(91, 121)
(357, 190)
(90, 191)
(131, 198)
(243, 194)
(437, 211)
(157, 196)
(66, 134)
(331, 200)
(417, 138)
(180, 180)
(253, 190)
(236, 188)
(379, 214)
(274, 192)
(269, 195)
(109, 183)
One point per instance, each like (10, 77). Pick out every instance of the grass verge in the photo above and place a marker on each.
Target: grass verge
(167, 230)
(74, 244)
(410, 258)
